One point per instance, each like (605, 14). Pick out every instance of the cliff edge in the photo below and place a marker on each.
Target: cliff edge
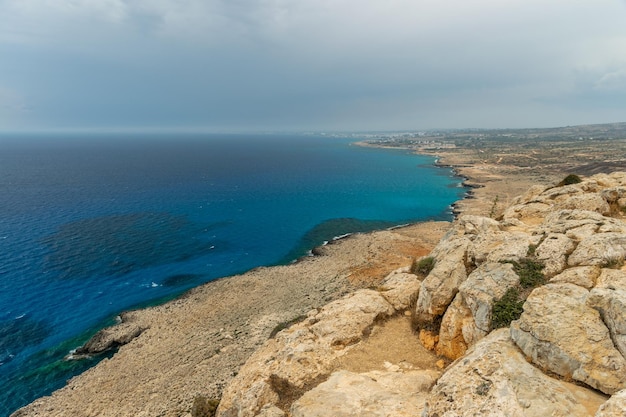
(526, 314)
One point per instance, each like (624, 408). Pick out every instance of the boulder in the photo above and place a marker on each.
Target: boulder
(372, 394)
(599, 249)
(553, 253)
(500, 246)
(494, 379)
(614, 407)
(451, 343)
(528, 213)
(609, 298)
(468, 319)
(345, 321)
(400, 289)
(587, 201)
(559, 332)
(441, 285)
(561, 221)
(113, 337)
(583, 276)
(613, 194)
(301, 356)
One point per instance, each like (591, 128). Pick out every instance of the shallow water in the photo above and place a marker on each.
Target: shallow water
(93, 225)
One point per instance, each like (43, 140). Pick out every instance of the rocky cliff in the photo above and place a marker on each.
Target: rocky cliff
(531, 308)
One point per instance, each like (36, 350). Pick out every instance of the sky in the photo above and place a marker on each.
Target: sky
(322, 65)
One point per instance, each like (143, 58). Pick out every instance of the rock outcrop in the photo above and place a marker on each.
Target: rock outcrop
(494, 379)
(555, 255)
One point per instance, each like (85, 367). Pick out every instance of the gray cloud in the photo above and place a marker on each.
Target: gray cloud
(315, 64)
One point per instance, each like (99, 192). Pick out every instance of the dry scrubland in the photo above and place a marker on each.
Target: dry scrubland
(365, 333)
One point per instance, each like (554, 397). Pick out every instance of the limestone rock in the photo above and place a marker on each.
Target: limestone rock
(614, 194)
(345, 321)
(475, 225)
(553, 252)
(372, 394)
(599, 249)
(528, 212)
(441, 285)
(588, 201)
(614, 407)
(494, 379)
(451, 343)
(609, 298)
(583, 276)
(400, 289)
(561, 221)
(114, 336)
(559, 332)
(500, 246)
(530, 195)
(301, 357)
(468, 319)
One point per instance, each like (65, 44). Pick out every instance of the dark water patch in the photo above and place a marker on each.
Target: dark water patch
(181, 279)
(330, 229)
(17, 334)
(120, 244)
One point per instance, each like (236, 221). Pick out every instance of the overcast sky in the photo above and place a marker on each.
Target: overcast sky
(311, 64)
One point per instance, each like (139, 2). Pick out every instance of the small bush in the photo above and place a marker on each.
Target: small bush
(569, 180)
(423, 266)
(507, 309)
(529, 272)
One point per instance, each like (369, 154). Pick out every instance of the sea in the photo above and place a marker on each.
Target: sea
(95, 224)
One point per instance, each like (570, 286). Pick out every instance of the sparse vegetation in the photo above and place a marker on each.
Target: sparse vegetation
(510, 306)
(569, 180)
(204, 407)
(530, 272)
(422, 267)
(507, 309)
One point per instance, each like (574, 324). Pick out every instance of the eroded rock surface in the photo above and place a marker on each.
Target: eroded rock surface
(494, 379)
(559, 332)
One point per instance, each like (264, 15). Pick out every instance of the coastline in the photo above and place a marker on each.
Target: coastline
(195, 344)
(240, 311)
(167, 357)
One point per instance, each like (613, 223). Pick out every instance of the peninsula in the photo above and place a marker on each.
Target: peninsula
(362, 325)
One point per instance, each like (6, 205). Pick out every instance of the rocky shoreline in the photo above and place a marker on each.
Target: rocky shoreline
(193, 346)
(531, 307)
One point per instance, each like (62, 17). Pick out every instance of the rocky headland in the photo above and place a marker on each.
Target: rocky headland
(530, 306)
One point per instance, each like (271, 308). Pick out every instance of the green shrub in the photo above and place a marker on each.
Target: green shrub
(423, 266)
(530, 272)
(507, 309)
(570, 179)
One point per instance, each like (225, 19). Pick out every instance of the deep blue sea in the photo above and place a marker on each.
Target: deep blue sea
(91, 225)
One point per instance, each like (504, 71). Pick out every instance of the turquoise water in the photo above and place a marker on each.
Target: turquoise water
(93, 225)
